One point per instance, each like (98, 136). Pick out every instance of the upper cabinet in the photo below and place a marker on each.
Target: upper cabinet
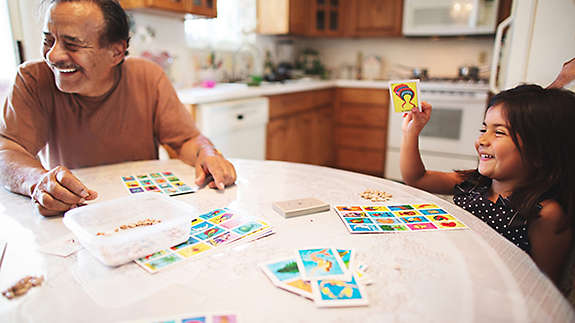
(330, 18)
(282, 17)
(369, 18)
(207, 8)
(326, 17)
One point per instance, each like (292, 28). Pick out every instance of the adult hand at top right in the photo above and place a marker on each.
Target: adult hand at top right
(566, 75)
(58, 191)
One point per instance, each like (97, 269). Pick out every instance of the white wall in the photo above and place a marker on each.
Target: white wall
(440, 56)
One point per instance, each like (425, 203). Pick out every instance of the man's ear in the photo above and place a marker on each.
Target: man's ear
(118, 52)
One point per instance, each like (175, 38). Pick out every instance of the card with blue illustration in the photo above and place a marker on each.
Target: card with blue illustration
(321, 263)
(284, 273)
(397, 218)
(339, 293)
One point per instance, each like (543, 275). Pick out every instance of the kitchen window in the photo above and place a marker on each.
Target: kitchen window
(234, 26)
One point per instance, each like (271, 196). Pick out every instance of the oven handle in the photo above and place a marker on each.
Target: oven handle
(496, 55)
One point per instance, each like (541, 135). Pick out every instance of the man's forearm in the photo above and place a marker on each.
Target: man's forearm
(19, 171)
(191, 149)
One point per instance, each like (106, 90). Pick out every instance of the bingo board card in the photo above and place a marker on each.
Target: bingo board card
(208, 231)
(161, 182)
(397, 218)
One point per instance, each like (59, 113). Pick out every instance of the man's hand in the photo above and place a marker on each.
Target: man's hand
(214, 169)
(414, 120)
(58, 191)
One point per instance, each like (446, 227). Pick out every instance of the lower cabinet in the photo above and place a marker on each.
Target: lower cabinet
(300, 128)
(344, 128)
(361, 117)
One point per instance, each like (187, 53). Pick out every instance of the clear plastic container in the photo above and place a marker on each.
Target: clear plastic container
(98, 226)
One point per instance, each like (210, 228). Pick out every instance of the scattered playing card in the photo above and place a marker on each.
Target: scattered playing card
(321, 263)
(339, 293)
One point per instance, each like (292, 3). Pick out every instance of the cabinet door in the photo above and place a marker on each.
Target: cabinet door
(375, 18)
(170, 5)
(206, 8)
(321, 137)
(287, 138)
(326, 18)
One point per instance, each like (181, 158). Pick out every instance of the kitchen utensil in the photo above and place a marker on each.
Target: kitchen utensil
(419, 73)
(469, 72)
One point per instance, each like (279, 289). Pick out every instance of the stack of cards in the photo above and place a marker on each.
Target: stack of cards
(208, 231)
(162, 182)
(192, 318)
(397, 218)
(327, 276)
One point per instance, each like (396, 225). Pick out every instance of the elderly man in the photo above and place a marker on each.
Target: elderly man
(86, 104)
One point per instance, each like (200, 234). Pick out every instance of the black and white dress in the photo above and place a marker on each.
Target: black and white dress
(499, 215)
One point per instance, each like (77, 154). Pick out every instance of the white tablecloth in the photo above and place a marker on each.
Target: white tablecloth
(450, 276)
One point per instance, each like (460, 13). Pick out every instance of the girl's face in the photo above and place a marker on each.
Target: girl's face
(499, 158)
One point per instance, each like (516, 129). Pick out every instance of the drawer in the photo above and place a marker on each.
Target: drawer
(364, 96)
(362, 115)
(286, 104)
(365, 161)
(360, 138)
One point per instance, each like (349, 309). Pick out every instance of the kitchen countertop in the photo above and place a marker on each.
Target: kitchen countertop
(233, 91)
(472, 275)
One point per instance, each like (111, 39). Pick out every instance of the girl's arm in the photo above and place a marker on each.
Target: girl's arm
(551, 237)
(413, 171)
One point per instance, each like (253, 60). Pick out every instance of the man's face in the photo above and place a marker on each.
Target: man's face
(71, 48)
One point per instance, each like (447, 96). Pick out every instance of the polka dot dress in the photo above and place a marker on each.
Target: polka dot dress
(499, 215)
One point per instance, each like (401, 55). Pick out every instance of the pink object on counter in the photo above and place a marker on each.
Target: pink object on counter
(208, 84)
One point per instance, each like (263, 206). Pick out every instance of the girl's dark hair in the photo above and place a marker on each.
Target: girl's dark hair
(117, 24)
(541, 122)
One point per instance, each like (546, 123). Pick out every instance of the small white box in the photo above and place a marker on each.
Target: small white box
(94, 225)
(299, 207)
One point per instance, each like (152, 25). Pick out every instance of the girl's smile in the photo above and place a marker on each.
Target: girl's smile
(499, 157)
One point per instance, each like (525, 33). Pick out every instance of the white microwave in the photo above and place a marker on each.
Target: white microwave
(449, 17)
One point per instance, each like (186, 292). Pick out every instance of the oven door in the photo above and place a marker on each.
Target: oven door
(447, 141)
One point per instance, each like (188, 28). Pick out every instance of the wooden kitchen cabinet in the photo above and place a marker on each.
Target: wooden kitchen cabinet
(327, 17)
(361, 117)
(300, 127)
(207, 8)
(282, 17)
(369, 18)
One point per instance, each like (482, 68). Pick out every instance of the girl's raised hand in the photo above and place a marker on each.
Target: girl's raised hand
(415, 120)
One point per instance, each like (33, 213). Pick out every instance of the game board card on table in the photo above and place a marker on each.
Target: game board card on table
(284, 273)
(397, 218)
(404, 95)
(162, 182)
(339, 293)
(191, 318)
(321, 263)
(208, 231)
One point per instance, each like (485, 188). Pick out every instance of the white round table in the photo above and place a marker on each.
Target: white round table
(470, 275)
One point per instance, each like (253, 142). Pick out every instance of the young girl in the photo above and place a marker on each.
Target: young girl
(524, 184)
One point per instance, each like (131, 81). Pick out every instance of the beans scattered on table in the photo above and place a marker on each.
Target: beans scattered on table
(22, 286)
(376, 196)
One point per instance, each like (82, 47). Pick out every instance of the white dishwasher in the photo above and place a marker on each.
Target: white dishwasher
(237, 128)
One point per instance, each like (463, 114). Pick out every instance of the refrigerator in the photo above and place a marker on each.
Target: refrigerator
(533, 43)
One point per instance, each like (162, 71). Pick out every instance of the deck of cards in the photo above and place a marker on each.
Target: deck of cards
(328, 276)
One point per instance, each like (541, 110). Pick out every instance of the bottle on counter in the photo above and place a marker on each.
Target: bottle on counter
(359, 66)
(269, 69)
